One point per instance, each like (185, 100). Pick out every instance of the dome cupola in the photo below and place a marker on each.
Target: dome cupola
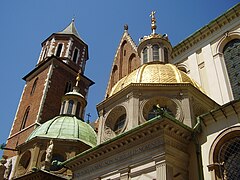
(74, 103)
(68, 128)
(154, 47)
(155, 73)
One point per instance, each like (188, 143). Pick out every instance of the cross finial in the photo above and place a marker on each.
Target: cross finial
(88, 116)
(153, 22)
(152, 15)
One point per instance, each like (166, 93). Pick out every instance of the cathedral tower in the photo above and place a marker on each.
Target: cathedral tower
(63, 55)
(153, 83)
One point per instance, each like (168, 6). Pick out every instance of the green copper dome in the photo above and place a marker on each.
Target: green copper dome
(66, 127)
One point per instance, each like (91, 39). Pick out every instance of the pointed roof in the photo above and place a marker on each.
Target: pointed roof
(71, 29)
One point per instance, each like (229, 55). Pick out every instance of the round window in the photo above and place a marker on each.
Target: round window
(157, 105)
(23, 163)
(115, 122)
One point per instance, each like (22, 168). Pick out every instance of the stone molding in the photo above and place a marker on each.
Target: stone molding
(206, 31)
(118, 145)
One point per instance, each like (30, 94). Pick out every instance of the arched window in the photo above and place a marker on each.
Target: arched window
(70, 107)
(25, 117)
(229, 158)
(145, 55)
(68, 87)
(78, 109)
(63, 107)
(75, 55)
(122, 58)
(34, 86)
(59, 50)
(114, 74)
(165, 50)
(155, 49)
(132, 64)
(120, 123)
(231, 53)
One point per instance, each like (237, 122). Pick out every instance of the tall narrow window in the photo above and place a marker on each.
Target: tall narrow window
(63, 107)
(78, 109)
(59, 50)
(68, 87)
(120, 123)
(165, 55)
(34, 86)
(70, 107)
(132, 63)
(75, 55)
(155, 52)
(25, 117)
(145, 55)
(114, 75)
(231, 53)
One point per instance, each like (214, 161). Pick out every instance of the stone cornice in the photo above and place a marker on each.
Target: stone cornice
(141, 86)
(233, 107)
(54, 59)
(207, 30)
(150, 130)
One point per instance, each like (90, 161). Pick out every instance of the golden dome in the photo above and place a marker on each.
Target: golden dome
(154, 73)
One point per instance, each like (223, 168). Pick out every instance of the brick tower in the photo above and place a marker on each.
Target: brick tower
(63, 55)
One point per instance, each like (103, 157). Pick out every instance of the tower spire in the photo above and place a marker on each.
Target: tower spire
(153, 22)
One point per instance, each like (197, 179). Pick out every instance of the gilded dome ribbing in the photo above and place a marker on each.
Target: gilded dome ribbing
(154, 73)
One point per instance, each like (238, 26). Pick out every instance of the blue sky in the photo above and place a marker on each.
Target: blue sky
(25, 24)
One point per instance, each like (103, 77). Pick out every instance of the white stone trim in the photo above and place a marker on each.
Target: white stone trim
(41, 53)
(78, 54)
(17, 112)
(45, 90)
(69, 46)
(51, 47)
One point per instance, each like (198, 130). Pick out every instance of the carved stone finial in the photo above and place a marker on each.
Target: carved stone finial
(125, 27)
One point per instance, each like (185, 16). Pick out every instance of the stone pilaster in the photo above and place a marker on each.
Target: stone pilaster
(163, 169)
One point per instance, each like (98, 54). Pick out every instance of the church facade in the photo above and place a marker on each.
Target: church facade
(168, 113)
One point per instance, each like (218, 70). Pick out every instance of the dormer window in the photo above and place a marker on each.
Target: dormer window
(59, 50)
(145, 55)
(75, 55)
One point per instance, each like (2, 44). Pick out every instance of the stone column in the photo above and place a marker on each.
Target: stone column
(101, 126)
(163, 169)
(211, 74)
(35, 155)
(224, 84)
(133, 109)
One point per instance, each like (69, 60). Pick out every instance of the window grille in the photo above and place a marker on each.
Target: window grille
(229, 158)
